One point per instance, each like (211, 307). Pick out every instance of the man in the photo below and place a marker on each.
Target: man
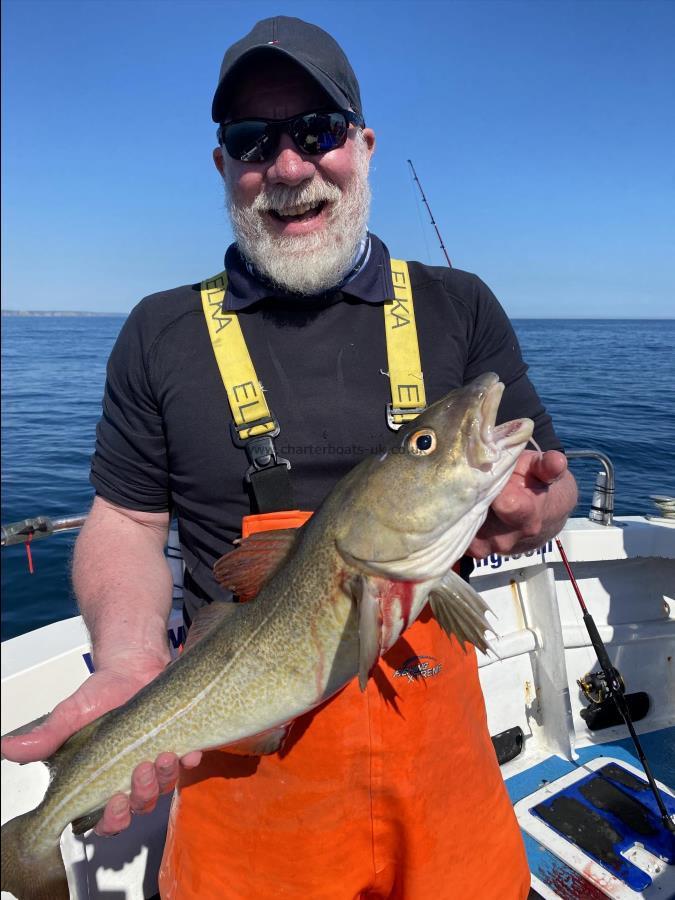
(384, 793)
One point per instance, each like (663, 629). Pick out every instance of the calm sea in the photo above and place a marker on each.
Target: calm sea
(610, 385)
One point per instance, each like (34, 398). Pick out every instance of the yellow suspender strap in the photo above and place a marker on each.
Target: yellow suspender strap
(408, 397)
(244, 391)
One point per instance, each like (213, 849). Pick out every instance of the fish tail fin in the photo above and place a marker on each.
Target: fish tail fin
(25, 874)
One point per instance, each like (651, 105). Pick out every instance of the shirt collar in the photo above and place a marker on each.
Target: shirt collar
(370, 280)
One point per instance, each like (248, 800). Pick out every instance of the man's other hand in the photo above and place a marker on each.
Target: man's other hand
(104, 690)
(532, 507)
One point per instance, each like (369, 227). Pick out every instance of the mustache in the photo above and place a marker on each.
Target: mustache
(283, 196)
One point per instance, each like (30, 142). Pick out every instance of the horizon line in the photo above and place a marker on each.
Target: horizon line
(589, 318)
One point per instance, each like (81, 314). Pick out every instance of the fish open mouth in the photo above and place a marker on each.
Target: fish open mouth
(508, 434)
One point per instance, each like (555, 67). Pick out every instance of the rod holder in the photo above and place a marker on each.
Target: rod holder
(602, 504)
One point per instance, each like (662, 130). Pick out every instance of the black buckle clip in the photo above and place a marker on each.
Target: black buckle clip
(401, 411)
(260, 450)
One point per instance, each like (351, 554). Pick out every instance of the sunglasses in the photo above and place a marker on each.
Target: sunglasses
(313, 133)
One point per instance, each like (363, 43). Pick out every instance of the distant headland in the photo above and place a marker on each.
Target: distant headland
(56, 312)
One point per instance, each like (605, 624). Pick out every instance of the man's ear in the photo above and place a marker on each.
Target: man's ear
(369, 137)
(218, 160)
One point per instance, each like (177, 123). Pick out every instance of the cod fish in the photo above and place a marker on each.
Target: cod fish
(330, 598)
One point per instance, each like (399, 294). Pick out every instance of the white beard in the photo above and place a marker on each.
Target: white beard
(307, 263)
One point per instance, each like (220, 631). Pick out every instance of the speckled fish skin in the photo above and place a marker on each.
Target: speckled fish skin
(359, 573)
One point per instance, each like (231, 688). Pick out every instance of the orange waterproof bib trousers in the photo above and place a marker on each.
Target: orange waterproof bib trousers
(390, 793)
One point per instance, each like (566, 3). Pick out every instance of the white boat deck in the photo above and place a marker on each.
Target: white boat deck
(626, 573)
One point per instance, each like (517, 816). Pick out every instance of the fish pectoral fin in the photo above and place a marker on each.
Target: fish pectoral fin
(261, 744)
(208, 618)
(459, 610)
(84, 823)
(246, 568)
(370, 628)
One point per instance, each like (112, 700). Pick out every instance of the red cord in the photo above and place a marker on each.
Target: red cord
(31, 569)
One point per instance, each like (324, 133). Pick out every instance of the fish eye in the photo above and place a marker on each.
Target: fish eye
(422, 442)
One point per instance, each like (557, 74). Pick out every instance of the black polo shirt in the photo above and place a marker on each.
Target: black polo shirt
(163, 442)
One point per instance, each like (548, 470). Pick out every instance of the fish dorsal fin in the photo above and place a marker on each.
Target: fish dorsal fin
(246, 569)
(208, 618)
(459, 610)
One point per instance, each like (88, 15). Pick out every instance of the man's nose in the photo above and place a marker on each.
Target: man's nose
(289, 166)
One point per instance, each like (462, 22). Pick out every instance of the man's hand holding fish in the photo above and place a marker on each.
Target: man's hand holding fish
(532, 508)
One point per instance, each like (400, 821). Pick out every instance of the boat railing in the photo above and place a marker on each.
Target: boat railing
(601, 510)
(38, 527)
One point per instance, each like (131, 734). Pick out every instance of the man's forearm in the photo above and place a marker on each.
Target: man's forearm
(123, 583)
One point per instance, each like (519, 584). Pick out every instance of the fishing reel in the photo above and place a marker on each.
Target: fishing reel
(595, 687)
(603, 711)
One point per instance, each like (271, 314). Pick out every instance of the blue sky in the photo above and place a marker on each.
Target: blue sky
(542, 132)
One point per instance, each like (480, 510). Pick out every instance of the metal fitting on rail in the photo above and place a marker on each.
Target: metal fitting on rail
(36, 528)
(602, 504)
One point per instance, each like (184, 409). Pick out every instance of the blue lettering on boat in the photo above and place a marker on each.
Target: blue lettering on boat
(177, 638)
(495, 560)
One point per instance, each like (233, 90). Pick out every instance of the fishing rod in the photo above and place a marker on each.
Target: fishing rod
(615, 688)
(426, 203)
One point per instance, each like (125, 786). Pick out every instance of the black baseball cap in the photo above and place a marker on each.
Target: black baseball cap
(312, 48)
